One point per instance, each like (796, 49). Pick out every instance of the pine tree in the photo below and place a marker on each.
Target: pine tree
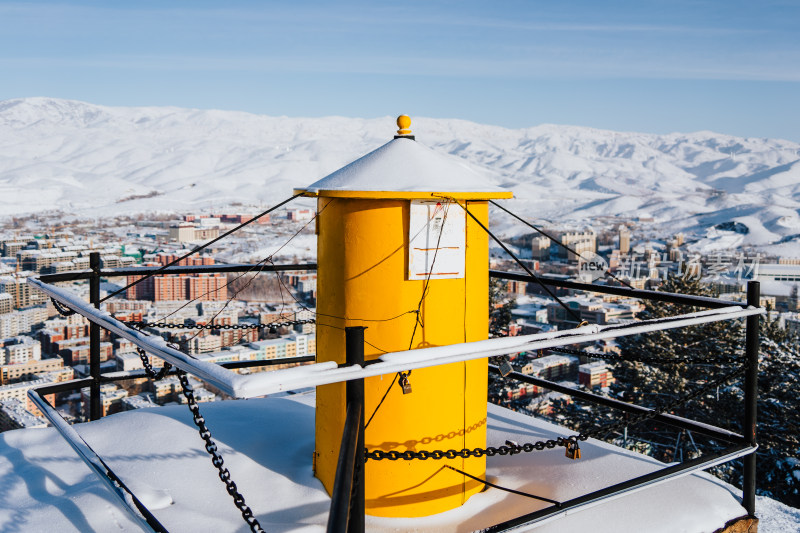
(777, 464)
(655, 385)
(500, 306)
(779, 381)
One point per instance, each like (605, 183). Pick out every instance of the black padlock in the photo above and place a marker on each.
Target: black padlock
(573, 450)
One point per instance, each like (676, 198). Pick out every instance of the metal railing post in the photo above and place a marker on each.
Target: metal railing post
(95, 405)
(354, 350)
(751, 398)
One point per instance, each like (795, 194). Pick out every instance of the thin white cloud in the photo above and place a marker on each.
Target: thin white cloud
(552, 64)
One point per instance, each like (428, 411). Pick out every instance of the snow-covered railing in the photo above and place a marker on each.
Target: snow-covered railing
(259, 384)
(125, 497)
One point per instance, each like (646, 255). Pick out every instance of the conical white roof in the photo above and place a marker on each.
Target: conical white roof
(406, 166)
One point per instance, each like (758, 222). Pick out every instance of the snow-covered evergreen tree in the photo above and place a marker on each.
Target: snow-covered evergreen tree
(710, 351)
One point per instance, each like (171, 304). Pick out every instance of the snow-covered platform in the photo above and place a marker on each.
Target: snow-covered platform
(268, 443)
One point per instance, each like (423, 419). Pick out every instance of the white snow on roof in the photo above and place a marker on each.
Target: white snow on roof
(267, 445)
(406, 165)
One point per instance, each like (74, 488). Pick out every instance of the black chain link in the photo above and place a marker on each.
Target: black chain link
(148, 368)
(63, 311)
(216, 458)
(511, 448)
(686, 359)
(205, 434)
(171, 325)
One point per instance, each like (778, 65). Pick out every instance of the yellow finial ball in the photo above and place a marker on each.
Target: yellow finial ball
(403, 122)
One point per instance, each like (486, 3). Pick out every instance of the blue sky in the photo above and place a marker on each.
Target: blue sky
(731, 67)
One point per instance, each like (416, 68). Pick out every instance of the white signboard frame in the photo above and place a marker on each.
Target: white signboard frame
(437, 240)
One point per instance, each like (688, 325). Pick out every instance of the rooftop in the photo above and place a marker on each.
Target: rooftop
(267, 445)
(404, 165)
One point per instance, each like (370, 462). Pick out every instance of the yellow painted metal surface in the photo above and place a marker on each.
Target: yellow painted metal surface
(404, 125)
(362, 257)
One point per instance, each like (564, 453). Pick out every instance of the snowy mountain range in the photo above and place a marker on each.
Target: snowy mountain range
(94, 160)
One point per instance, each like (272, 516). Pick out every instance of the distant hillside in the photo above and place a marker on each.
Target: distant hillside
(83, 158)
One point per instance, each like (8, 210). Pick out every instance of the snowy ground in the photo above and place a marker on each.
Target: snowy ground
(45, 487)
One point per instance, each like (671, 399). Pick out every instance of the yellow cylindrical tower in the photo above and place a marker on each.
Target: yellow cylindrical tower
(397, 254)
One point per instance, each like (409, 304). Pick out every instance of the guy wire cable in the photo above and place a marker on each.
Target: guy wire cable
(567, 248)
(202, 247)
(520, 263)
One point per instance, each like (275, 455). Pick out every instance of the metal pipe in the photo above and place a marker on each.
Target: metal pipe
(684, 299)
(95, 403)
(223, 379)
(672, 420)
(339, 515)
(354, 353)
(751, 398)
(636, 484)
(77, 275)
(260, 384)
(126, 499)
(270, 362)
(668, 297)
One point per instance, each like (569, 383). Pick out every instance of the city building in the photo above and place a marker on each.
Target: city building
(77, 351)
(595, 374)
(110, 398)
(777, 272)
(10, 373)
(16, 285)
(164, 258)
(551, 367)
(15, 415)
(138, 401)
(9, 248)
(176, 287)
(592, 311)
(792, 323)
(19, 350)
(579, 242)
(208, 228)
(296, 215)
(289, 346)
(20, 389)
(6, 303)
(624, 240)
(540, 248)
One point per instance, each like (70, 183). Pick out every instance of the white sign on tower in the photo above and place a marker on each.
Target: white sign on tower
(437, 240)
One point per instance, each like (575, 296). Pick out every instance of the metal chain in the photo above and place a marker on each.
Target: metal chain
(63, 311)
(216, 458)
(148, 368)
(512, 448)
(170, 325)
(205, 434)
(687, 359)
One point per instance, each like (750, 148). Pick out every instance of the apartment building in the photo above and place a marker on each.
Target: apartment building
(595, 374)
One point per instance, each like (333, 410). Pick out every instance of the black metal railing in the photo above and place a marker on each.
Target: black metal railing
(347, 497)
(347, 507)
